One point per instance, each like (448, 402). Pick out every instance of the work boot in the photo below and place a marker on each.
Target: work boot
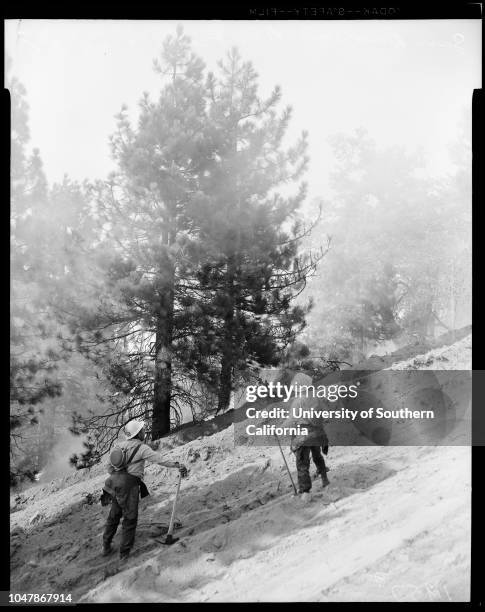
(325, 480)
(306, 497)
(124, 558)
(107, 550)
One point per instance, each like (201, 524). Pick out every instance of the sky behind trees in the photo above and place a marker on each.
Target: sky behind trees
(406, 82)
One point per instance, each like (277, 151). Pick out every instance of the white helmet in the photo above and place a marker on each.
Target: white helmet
(133, 428)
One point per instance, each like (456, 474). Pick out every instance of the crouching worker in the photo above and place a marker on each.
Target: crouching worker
(125, 485)
(313, 443)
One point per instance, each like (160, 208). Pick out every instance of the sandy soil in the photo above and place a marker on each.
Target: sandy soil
(394, 525)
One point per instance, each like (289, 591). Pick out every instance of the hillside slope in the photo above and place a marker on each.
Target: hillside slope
(394, 525)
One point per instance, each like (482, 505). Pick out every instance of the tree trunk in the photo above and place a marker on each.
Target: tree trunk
(227, 361)
(225, 382)
(162, 388)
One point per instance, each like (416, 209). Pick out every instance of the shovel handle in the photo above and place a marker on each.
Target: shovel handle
(287, 468)
(172, 516)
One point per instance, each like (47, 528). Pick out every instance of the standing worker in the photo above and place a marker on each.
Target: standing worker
(312, 444)
(125, 484)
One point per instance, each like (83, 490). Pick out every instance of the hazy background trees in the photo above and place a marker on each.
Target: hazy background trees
(400, 264)
(44, 384)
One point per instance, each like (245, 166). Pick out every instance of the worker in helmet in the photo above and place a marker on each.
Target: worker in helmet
(312, 443)
(124, 486)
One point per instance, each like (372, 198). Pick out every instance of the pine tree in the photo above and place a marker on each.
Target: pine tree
(142, 325)
(200, 252)
(251, 232)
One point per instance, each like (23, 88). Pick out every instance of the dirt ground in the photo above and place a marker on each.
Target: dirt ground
(394, 525)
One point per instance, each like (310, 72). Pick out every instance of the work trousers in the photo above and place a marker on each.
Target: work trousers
(303, 465)
(124, 505)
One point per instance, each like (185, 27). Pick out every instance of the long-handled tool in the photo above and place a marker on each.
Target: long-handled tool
(169, 539)
(288, 469)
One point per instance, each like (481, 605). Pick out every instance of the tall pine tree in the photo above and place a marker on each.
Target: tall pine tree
(200, 251)
(144, 321)
(249, 226)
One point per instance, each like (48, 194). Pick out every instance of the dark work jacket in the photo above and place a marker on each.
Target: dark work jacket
(316, 435)
(120, 483)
